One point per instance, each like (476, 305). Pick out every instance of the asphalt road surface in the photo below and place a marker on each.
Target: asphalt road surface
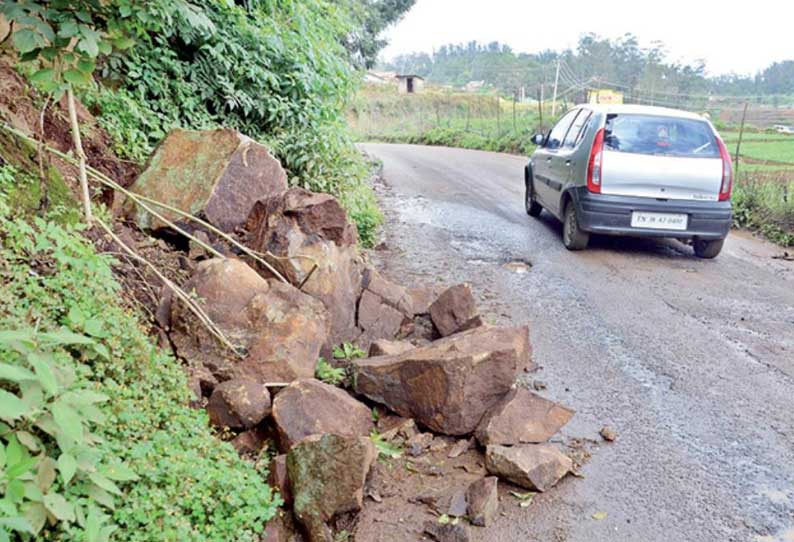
(691, 361)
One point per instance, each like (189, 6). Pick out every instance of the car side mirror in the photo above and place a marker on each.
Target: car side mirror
(538, 139)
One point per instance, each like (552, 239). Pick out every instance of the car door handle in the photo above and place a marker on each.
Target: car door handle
(568, 163)
(548, 159)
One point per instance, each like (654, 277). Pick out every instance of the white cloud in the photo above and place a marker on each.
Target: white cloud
(740, 37)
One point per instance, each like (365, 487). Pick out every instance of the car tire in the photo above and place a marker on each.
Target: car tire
(573, 237)
(708, 249)
(532, 207)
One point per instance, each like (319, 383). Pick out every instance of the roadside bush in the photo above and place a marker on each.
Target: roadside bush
(147, 466)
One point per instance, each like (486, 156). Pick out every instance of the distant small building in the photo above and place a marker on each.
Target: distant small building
(410, 84)
(604, 96)
(380, 78)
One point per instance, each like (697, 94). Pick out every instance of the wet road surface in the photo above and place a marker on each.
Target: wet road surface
(690, 361)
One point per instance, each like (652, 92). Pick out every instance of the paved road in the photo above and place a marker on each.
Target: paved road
(691, 361)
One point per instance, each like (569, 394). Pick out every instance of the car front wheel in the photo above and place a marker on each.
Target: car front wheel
(532, 207)
(573, 237)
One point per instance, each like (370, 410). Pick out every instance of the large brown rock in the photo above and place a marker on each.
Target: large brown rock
(383, 309)
(278, 329)
(448, 385)
(482, 499)
(383, 347)
(309, 407)
(218, 174)
(304, 229)
(238, 404)
(532, 466)
(522, 417)
(455, 310)
(327, 474)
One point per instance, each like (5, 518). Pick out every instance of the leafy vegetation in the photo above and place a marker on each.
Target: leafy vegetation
(348, 351)
(329, 374)
(66, 346)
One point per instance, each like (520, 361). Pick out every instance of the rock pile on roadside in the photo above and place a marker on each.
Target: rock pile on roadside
(433, 361)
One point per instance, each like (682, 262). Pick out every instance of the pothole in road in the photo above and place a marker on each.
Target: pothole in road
(518, 266)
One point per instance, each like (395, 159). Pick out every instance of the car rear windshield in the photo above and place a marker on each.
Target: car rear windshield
(648, 134)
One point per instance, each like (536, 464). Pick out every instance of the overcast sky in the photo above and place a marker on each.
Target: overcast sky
(740, 37)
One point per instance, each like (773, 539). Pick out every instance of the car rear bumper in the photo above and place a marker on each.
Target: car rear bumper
(611, 215)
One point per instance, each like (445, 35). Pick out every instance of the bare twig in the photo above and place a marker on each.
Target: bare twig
(78, 149)
(181, 294)
(44, 200)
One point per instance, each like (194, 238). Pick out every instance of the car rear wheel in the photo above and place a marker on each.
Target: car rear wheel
(708, 249)
(532, 207)
(573, 237)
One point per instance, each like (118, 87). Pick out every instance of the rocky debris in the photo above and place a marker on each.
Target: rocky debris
(532, 466)
(389, 293)
(249, 443)
(303, 230)
(482, 499)
(395, 427)
(278, 478)
(419, 444)
(448, 385)
(278, 329)
(238, 404)
(377, 320)
(522, 417)
(455, 310)
(460, 447)
(382, 347)
(447, 532)
(451, 502)
(201, 383)
(218, 174)
(309, 407)
(422, 297)
(608, 434)
(327, 474)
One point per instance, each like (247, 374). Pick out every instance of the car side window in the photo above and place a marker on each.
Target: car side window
(578, 128)
(557, 134)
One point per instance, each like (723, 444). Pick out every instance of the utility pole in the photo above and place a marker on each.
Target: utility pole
(556, 81)
(739, 144)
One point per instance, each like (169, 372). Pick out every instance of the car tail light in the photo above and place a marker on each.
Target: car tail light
(594, 166)
(727, 172)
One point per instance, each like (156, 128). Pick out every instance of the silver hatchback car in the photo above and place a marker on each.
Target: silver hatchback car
(633, 170)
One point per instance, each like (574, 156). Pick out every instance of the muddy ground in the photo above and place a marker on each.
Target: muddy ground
(691, 361)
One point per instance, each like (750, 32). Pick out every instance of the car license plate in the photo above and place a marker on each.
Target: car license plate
(658, 221)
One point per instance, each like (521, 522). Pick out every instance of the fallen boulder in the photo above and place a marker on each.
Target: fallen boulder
(376, 320)
(303, 230)
(309, 407)
(482, 499)
(382, 347)
(327, 474)
(422, 297)
(455, 310)
(238, 404)
(522, 417)
(391, 294)
(277, 329)
(532, 466)
(218, 174)
(448, 385)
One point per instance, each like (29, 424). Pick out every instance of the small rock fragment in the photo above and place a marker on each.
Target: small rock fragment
(522, 417)
(482, 499)
(455, 310)
(608, 434)
(279, 479)
(532, 466)
(447, 532)
(249, 443)
(238, 404)
(460, 447)
(419, 443)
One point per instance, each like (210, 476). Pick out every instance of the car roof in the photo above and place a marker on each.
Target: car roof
(631, 109)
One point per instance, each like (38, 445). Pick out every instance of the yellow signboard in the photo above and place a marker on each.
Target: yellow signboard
(604, 96)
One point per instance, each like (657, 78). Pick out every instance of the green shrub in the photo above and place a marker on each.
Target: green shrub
(190, 486)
